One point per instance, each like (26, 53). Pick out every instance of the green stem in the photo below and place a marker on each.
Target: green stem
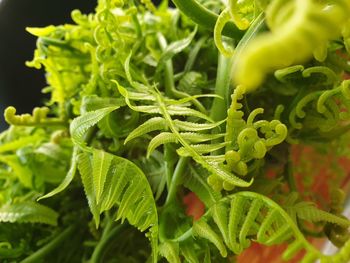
(184, 236)
(45, 250)
(108, 234)
(218, 110)
(175, 181)
(256, 27)
(169, 164)
(288, 174)
(169, 81)
(205, 18)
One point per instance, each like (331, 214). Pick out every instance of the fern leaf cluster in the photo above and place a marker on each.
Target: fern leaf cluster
(153, 106)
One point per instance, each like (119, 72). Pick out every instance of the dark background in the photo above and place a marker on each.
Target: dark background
(21, 86)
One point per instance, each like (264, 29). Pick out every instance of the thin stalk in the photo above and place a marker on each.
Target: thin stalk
(205, 18)
(184, 236)
(45, 250)
(169, 81)
(256, 27)
(219, 107)
(169, 164)
(289, 176)
(175, 181)
(109, 233)
(218, 110)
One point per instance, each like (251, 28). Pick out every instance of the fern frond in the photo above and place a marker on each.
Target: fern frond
(162, 138)
(69, 177)
(203, 230)
(309, 212)
(161, 107)
(192, 126)
(174, 110)
(38, 118)
(324, 110)
(23, 173)
(170, 251)
(83, 123)
(197, 184)
(237, 219)
(28, 212)
(203, 149)
(153, 124)
(188, 251)
(18, 143)
(93, 102)
(174, 48)
(109, 181)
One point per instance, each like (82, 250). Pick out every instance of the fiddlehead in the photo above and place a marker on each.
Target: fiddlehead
(237, 13)
(307, 23)
(233, 222)
(327, 112)
(38, 118)
(246, 148)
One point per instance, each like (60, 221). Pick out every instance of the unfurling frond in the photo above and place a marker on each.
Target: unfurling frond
(28, 212)
(38, 118)
(110, 181)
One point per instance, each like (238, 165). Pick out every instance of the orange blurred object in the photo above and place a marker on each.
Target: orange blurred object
(194, 206)
(312, 173)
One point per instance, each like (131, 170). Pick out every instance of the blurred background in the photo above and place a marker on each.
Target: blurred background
(21, 86)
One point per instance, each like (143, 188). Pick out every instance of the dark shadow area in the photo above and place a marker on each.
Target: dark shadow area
(21, 86)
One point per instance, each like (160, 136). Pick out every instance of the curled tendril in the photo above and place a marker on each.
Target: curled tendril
(109, 4)
(278, 112)
(149, 5)
(330, 75)
(235, 13)
(293, 23)
(223, 19)
(38, 118)
(253, 115)
(81, 19)
(331, 105)
(282, 74)
(241, 22)
(249, 141)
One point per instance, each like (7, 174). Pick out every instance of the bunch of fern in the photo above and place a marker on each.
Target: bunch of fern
(150, 103)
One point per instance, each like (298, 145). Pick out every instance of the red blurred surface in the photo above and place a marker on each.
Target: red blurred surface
(313, 173)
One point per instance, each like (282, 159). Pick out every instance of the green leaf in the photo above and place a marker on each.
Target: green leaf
(153, 124)
(86, 172)
(175, 110)
(173, 49)
(162, 138)
(309, 212)
(23, 173)
(83, 123)
(192, 126)
(28, 212)
(68, 179)
(93, 102)
(196, 182)
(168, 137)
(101, 164)
(201, 148)
(119, 183)
(203, 230)
(188, 251)
(23, 141)
(170, 251)
(41, 31)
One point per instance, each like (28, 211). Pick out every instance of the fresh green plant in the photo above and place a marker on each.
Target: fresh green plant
(149, 103)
